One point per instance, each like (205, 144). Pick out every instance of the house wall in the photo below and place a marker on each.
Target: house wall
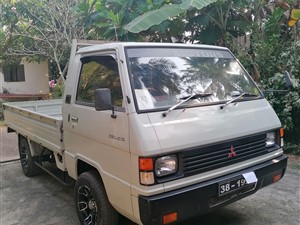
(36, 80)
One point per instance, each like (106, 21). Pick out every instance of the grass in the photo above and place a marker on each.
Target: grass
(292, 148)
(296, 166)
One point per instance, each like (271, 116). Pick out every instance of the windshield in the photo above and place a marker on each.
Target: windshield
(162, 77)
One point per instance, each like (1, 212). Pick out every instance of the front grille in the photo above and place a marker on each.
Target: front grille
(207, 158)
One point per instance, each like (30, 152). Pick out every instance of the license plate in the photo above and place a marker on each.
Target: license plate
(231, 185)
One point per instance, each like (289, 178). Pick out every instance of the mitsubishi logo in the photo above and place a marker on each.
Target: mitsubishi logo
(232, 152)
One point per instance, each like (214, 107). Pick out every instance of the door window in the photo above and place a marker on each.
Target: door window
(99, 72)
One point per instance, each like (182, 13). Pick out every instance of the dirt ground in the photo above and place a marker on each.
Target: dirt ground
(42, 200)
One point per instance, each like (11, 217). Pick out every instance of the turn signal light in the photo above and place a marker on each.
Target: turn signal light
(170, 218)
(146, 171)
(276, 178)
(146, 164)
(281, 132)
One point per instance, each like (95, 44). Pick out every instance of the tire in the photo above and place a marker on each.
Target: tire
(92, 205)
(27, 160)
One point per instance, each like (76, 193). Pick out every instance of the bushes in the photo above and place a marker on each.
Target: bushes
(1, 110)
(286, 105)
(274, 53)
(57, 90)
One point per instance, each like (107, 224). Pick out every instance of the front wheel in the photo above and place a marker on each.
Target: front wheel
(92, 205)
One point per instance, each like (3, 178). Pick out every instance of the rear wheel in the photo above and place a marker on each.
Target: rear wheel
(29, 167)
(92, 205)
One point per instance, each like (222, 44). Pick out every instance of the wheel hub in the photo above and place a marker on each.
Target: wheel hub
(92, 205)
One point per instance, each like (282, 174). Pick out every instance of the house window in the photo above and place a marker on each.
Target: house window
(14, 73)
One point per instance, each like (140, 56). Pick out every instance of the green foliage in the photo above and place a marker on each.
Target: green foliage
(219, 23)
(153, 17)
(1, 111)
(274, 57)
(58, 91)
(292, 148)
(273, 26)
(39, 30)
(285, 104)
(198, 4)
(274, 50)
(167, 11)
(106, 19)
(296, 166)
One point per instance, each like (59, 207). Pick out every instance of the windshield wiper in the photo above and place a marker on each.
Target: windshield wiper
(186, 99)
(238, 97)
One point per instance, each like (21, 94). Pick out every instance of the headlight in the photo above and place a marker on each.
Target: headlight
(166, 165)
(271, 139)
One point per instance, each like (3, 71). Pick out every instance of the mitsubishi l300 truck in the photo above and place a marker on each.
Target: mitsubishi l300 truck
(157, 132)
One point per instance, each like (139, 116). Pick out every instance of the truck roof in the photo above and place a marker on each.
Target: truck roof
(114, 45)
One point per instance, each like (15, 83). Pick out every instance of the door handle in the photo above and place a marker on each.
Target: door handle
(74, 119)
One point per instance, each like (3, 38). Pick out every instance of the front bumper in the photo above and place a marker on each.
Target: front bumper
(201, 198)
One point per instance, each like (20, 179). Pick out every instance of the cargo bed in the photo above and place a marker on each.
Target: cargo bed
(40, 121)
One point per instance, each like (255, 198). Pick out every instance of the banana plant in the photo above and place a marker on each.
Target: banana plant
(168, 11)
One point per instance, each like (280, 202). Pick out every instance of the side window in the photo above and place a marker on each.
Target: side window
(98, 72)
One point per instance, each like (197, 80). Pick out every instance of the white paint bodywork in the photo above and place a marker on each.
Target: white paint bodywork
(146, 134)
(198, 126)
(39, 121)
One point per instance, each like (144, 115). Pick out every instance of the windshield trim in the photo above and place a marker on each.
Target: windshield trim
(186, 106)
(162, 109)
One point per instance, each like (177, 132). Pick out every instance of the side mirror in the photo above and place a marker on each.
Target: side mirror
(288, 84)
(288, 80)
(103, 99)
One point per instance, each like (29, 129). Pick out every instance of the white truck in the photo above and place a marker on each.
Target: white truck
(157, 132)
